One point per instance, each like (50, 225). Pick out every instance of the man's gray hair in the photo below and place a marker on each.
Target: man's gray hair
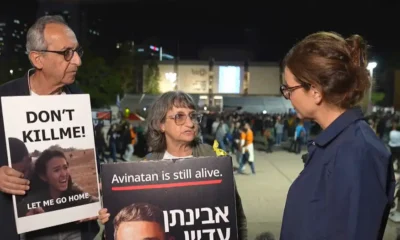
(35, 40)
(157, 114)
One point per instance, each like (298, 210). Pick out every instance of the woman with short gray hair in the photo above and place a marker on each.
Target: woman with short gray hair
(167, 123)
(172, 132)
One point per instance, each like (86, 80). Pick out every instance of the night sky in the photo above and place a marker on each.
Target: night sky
(269, 27)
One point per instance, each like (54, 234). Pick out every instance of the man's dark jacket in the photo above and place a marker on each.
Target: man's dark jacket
(8, 231)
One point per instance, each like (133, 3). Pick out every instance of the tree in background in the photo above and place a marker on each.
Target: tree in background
(377, 97)
(98, 79)
(152, 78)
(5, 75)
(125, 66)
(15, 67)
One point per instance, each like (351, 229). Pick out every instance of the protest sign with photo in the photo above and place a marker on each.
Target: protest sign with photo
(50, 140)
(183, 199)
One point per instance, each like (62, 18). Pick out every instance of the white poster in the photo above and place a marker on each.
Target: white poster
(50, 139)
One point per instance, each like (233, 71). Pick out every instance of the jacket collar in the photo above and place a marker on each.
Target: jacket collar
(24, 88)
(338, 126)
(199, 150)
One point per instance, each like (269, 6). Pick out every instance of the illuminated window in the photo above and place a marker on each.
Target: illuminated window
(171, 76)
(229, 79)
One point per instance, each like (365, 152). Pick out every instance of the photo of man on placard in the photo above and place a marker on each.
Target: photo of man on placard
(139, 221)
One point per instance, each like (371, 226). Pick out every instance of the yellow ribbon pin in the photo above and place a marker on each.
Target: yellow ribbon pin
(217, 150)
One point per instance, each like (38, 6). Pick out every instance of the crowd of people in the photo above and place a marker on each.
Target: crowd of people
(236, 133)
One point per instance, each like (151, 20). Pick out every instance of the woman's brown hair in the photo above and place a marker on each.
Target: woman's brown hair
(336, 66)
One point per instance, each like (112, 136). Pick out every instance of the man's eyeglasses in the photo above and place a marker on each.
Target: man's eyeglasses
(287, 91)
(68, 53)
(180, 118)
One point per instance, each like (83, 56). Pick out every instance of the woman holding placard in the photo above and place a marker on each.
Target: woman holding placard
(172, 131)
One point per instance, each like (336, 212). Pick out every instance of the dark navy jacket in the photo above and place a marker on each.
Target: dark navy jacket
(8, 231)
(346, 187)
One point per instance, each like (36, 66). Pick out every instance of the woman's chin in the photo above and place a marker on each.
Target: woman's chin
(187, 139)
(63, 188)
(299, 115)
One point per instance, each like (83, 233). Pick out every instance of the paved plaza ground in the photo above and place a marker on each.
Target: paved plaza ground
(264, 194)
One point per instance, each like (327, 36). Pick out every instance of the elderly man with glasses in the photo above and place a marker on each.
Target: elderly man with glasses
(55, 55)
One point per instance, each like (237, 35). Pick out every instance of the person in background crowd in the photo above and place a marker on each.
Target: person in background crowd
(113, 137)
(307, 127)
(382, 125)
(100, 144)
(55, 54)
(265, 236)
(215, 125)
(293, 144)
(371, 123)
(220, 135)
(236, 135)
(394, 144)
(279, 131)
(299, 137)
(129, 141)
(173, 121)
(269, 141)
(247, 148)
(141, 147)
(335, 196)
(229, 136)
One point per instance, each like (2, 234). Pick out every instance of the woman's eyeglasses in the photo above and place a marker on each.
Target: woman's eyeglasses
(287, 91)
(68, 53)
(180, 118)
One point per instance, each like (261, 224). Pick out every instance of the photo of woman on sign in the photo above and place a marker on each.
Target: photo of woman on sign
(52, 187)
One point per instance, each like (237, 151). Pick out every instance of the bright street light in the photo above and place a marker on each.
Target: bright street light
(371, 67)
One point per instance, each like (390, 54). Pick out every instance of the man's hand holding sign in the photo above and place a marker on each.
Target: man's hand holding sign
(12, 181)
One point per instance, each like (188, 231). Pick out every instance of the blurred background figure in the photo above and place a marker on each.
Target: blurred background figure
(265, 236)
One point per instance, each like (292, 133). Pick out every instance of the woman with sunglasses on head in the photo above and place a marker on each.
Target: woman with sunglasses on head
(172, 132)
(346, 187)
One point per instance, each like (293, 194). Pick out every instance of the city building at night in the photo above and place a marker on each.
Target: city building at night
(12, 36)
(147, 52)
(224, 85)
